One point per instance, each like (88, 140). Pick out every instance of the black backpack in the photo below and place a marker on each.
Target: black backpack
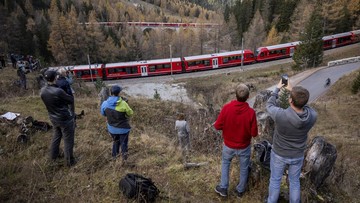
(137, 186)
(263, 151)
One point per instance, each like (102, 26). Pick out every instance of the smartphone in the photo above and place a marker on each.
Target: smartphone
(284, 79)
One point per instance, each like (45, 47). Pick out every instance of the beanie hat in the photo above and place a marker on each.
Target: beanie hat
(50, 75)
(115, 89)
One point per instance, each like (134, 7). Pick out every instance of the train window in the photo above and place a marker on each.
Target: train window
(78, 74)
(225, 60)
(168, 65)
(262, 54)
(152, 68)
(206, 62)
(159, 66)
(283, 51)
(272, 52)
(131, 70)
(191, 63)
(111, 70)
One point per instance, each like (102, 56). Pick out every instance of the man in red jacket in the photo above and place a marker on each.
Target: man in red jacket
(238, 123)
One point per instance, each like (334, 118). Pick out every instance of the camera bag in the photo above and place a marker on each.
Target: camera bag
(139, 187)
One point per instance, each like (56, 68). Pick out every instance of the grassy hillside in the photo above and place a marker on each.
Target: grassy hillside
(26, 174)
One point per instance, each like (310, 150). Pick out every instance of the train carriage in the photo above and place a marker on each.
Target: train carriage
(199, 62)
(218, 60)
(337, 40)
(142, 68)
(233, 58)
(274, 52)
(88, 72)
(355, 36)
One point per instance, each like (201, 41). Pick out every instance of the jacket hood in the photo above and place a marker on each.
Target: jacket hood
(301, 119)
(240, 107)
(113, 101)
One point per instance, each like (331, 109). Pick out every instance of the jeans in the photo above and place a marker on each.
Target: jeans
(277, 166)
(244, 156)
(120, 140)
(67, 131)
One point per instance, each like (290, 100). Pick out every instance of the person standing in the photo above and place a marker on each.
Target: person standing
(21, 72)
(117, 111)
(183, 130)
(57, 103)
(238, 123)
(62, 82)
(289, 140)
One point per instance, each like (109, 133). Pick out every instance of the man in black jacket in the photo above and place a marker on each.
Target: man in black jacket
(58, 103)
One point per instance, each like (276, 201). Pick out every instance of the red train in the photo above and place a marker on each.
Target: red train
(202, 62)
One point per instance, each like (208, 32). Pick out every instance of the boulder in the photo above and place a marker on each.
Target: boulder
(261, 99)
(319, 161)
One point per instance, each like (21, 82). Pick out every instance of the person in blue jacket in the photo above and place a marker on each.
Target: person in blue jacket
(117, 112)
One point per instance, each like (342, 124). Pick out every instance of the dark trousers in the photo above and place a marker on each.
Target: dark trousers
(120, 140)
(67, 131)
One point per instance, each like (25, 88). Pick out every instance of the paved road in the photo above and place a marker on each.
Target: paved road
(314, 79)
(315, 82)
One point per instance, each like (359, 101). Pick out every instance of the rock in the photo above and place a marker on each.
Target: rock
(104, 94)
(319, 160)
(266, 125)
(261, 99)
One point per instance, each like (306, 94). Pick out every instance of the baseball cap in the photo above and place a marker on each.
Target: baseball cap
(50, 75)
(115, 89)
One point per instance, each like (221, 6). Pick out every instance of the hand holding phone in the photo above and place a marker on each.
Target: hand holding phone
(284, 79)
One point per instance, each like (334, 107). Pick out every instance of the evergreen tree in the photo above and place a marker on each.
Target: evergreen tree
(309, 53)
(256, 32)
(284, 98)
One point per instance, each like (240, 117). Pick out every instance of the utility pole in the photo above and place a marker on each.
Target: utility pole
(171, 61)
(242, 52)
(90, 68)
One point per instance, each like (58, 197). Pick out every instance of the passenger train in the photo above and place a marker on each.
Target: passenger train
(202, 62)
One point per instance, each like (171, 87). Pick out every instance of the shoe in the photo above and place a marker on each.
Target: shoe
(239, 194)
(221, 191)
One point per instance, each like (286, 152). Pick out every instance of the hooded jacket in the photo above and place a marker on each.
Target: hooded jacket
(117, 112)
(238, 124)
(291, 128)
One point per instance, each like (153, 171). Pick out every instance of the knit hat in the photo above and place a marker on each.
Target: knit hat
(50, 75)
(115, 89)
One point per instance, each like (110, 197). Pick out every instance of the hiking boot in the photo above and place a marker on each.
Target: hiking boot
(239, 194)
(221, 191)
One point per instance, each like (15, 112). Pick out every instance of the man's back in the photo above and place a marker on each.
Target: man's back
(57, 103)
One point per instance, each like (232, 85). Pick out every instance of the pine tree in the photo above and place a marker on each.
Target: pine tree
(301, 15)
(309, 53)
(284, 98)
(256, 32)
(273, 37)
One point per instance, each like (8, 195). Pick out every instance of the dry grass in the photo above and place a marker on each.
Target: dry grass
(26, 175)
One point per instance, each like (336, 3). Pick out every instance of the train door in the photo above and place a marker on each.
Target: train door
(143, 71)
(333, 45)
(292, 50)
(215, 63)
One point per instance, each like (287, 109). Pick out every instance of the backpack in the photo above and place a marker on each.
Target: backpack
(263, 151)
(137, 186)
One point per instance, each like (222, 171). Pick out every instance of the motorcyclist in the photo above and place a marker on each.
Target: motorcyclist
(328, 81)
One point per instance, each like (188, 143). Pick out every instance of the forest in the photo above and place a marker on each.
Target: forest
(55, 31)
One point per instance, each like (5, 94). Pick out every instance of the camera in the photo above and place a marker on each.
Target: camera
(284, 79)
